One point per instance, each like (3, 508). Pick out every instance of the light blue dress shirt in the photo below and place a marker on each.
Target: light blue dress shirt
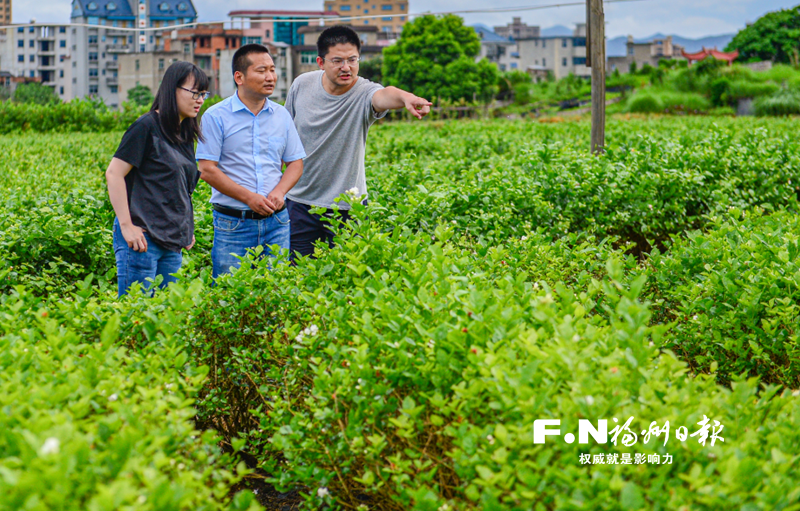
(248, 148)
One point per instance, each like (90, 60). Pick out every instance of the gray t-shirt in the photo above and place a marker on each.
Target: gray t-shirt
(333, 130)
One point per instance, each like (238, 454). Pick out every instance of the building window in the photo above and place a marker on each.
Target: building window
(563, 43)
(266, 34)
(62, 30)
(21, 58)
(62, 43)
(387, 18)
(366, 11)
(21, 30)
(182, 7)
(32, 74)
(344, 8)
(630, 50)
(93, 89)
(114, 89)
(31, 30)
(137, 64)
(564, 61)
(91, 6)
(31, 43)
(160, 64)
(163, 7)
(579, 41)
(93, 20)
(111, 6)
(92, 39)
(92, 56)
(61, 90)
(93, 72)
(32, 58)
(20, 43)
(308, 57)
(61, 73)
(386, 7)
(544, 62)
(579, 61)
(366, 22)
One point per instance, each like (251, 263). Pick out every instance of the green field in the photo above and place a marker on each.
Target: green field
(500, 275)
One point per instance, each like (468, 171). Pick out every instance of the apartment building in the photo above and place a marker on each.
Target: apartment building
(558, 55)
(145, 69)
(518, 30)
(206, 44)
(39, 53)
(646, 52)
(388, 15)
(5, 12)
(499, 50)
(115, 30)
(262, 27)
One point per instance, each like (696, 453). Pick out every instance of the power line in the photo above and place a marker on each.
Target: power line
(321, 19)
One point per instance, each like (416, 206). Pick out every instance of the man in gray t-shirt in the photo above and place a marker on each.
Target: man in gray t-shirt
(333, 109)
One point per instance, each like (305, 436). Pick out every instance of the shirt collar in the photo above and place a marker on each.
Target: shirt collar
(236, 104)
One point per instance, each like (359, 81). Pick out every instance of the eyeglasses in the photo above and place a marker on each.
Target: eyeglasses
(337, 62)
(196, 95)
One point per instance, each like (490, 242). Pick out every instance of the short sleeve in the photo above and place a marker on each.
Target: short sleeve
(370, 115)
(289, 104)
(294, 147)
(133, 147)
(210, 148)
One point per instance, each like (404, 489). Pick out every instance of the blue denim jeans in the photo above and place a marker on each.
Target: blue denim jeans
(234, 236)
(133, 266)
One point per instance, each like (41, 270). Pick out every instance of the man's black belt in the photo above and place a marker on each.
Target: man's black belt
(243, 213)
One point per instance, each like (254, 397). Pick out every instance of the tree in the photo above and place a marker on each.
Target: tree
(35, 93)
(371, 69)
(140, 95)
(774, 36)
(435, 57)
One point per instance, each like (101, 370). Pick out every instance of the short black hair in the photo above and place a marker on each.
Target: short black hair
(166, 102)
(241, 62)
(337, 34)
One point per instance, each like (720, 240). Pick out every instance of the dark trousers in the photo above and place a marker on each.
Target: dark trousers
(307, 228)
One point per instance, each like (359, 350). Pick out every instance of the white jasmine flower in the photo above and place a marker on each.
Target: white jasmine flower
(524, 238)
(490, 438)
(444, 507)
(322, 492)
(142, 499)
(50, 446)
(589, 400)
(113, 397)
(695, 317)
(353, 192)
(431, 343)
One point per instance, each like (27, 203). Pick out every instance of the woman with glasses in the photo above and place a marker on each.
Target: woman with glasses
(151, 179)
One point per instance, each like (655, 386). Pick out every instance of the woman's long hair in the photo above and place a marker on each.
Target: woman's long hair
(167, 104)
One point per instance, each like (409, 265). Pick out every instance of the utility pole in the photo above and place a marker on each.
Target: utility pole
(596, 59)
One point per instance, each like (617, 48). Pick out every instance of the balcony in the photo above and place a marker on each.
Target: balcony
(119, 48)
(112, 64)
(112, 80)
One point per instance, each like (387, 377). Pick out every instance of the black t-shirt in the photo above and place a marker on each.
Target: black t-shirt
(161, 183)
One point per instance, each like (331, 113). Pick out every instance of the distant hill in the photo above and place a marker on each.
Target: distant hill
(616, 47)
(556, 31)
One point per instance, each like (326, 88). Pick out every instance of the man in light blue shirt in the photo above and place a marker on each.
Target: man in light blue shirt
(246, 140)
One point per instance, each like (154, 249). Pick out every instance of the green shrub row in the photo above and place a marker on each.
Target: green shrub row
(89, 424)
(405, 372)
(781, 104)
(731, 296)
(667, 103)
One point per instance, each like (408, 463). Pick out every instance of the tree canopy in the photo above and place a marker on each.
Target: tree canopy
(435, 57)
(140, 95)
(775, 36)
(35, 93)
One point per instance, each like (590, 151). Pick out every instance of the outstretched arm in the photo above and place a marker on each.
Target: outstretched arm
(392, 98)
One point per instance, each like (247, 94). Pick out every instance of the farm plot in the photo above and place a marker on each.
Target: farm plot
(499, 276)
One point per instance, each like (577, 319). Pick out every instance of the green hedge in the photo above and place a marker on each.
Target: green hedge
(404, 372)
(781, 104)
(88, 424)
(732, 294)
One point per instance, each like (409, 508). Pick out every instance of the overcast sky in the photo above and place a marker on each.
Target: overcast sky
(688, 18)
